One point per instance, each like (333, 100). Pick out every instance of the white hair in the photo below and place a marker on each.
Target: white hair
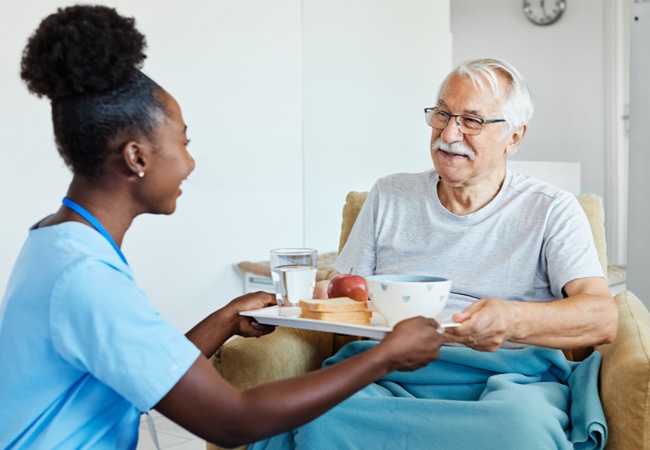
(517, 109)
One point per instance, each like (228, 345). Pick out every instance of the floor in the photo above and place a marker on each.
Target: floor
(170, 435)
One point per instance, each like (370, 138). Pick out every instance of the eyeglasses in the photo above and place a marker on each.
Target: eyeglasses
(439, 119)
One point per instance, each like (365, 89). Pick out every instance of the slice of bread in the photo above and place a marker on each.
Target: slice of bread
(352, 317)
(341, 309)
(333, 316)
(339, 304)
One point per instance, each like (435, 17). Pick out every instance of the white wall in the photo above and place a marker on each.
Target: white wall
(238, 70)
(564, 66)
(235, 69)
(367, 81)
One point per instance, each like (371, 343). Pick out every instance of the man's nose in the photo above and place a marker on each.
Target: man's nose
(451, 133)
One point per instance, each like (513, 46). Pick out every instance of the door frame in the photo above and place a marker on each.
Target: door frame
(617, 74)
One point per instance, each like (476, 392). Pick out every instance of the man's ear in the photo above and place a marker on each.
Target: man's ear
(514, 140)
(135, 156)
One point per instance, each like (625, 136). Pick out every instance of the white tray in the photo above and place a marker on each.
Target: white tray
(376, 330)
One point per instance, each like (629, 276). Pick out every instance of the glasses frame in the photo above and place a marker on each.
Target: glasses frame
(457, 116)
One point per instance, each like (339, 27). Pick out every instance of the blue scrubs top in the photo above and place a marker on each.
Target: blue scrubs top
(82, 351)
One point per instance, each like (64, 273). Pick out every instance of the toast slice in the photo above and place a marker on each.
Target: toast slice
(352, 317)
(339, 304)
(341, 309)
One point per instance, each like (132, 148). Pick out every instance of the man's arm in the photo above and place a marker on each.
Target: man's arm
(587, 316)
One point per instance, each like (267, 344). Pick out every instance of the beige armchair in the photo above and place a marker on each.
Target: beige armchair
(625, 371)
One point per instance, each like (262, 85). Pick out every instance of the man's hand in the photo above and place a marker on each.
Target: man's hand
(485, 325)
(320, 290)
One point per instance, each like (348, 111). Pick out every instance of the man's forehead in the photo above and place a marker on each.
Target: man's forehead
(467, 109)
(463, 92)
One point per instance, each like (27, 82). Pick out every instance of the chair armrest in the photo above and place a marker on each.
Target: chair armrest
(287, 352)
(625, 377)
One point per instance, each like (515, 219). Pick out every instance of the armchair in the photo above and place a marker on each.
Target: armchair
(625, 370)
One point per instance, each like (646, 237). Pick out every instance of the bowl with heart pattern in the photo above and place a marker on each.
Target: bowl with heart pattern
(399, 297)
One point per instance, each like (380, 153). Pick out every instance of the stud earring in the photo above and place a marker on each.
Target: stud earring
(141, 174)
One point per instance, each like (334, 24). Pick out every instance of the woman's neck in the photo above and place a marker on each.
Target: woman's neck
(111, 208)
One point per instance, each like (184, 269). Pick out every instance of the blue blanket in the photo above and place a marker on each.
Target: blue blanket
(532, 398)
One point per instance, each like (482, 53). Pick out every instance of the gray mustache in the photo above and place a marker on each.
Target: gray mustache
(457, 148)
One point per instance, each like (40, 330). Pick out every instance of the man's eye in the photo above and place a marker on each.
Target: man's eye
(472, 122)
(440, 115)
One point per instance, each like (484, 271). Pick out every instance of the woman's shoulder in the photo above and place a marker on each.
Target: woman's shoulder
(58, 248)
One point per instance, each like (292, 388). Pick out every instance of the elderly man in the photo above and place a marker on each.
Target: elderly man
(525, 273)
(515, 243)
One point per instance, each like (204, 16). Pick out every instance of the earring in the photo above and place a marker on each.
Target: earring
(141, 174)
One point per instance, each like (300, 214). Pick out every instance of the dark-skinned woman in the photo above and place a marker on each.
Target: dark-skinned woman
(83, 353)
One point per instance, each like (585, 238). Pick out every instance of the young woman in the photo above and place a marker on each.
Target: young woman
(83, 352)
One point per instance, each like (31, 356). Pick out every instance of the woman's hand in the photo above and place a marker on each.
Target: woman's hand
(414, 343)
(209, 334)
(247, 326)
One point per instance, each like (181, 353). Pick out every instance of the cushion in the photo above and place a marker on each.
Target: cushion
(625, 377)
(353, 203)
(593, 206)
(616, 274)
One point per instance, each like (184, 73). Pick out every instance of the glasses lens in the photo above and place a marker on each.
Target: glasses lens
(437, 119)
(470, 125)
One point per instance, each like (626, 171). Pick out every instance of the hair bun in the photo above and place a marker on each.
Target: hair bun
(82, 50)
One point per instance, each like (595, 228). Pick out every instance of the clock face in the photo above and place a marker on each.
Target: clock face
(544, 12)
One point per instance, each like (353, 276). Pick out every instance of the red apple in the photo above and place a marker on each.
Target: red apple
(348, 285)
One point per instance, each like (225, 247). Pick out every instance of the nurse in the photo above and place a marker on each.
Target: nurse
(82, 351)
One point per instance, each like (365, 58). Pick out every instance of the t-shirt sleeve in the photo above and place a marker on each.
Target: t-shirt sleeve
(103, 323)
(569, 246)
(360, 251)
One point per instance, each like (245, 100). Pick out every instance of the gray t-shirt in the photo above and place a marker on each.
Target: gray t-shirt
(526, 244)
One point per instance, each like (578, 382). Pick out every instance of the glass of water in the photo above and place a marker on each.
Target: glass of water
(294, 276)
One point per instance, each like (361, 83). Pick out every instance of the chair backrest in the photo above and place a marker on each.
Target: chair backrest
(353, 203)
(592, 205)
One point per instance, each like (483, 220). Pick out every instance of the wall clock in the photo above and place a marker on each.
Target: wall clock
(544, 12)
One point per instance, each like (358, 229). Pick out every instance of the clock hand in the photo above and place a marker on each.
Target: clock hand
(541, 3)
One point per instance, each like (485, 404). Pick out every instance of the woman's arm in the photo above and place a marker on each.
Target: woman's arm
(210, 334)
(205, 404)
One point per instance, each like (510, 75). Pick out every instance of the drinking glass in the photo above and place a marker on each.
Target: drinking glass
(294, 276)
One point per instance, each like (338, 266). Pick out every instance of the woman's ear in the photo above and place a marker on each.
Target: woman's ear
(514, 140)
(135, 156)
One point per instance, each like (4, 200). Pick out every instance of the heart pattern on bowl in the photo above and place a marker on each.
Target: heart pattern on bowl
(398, 297)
